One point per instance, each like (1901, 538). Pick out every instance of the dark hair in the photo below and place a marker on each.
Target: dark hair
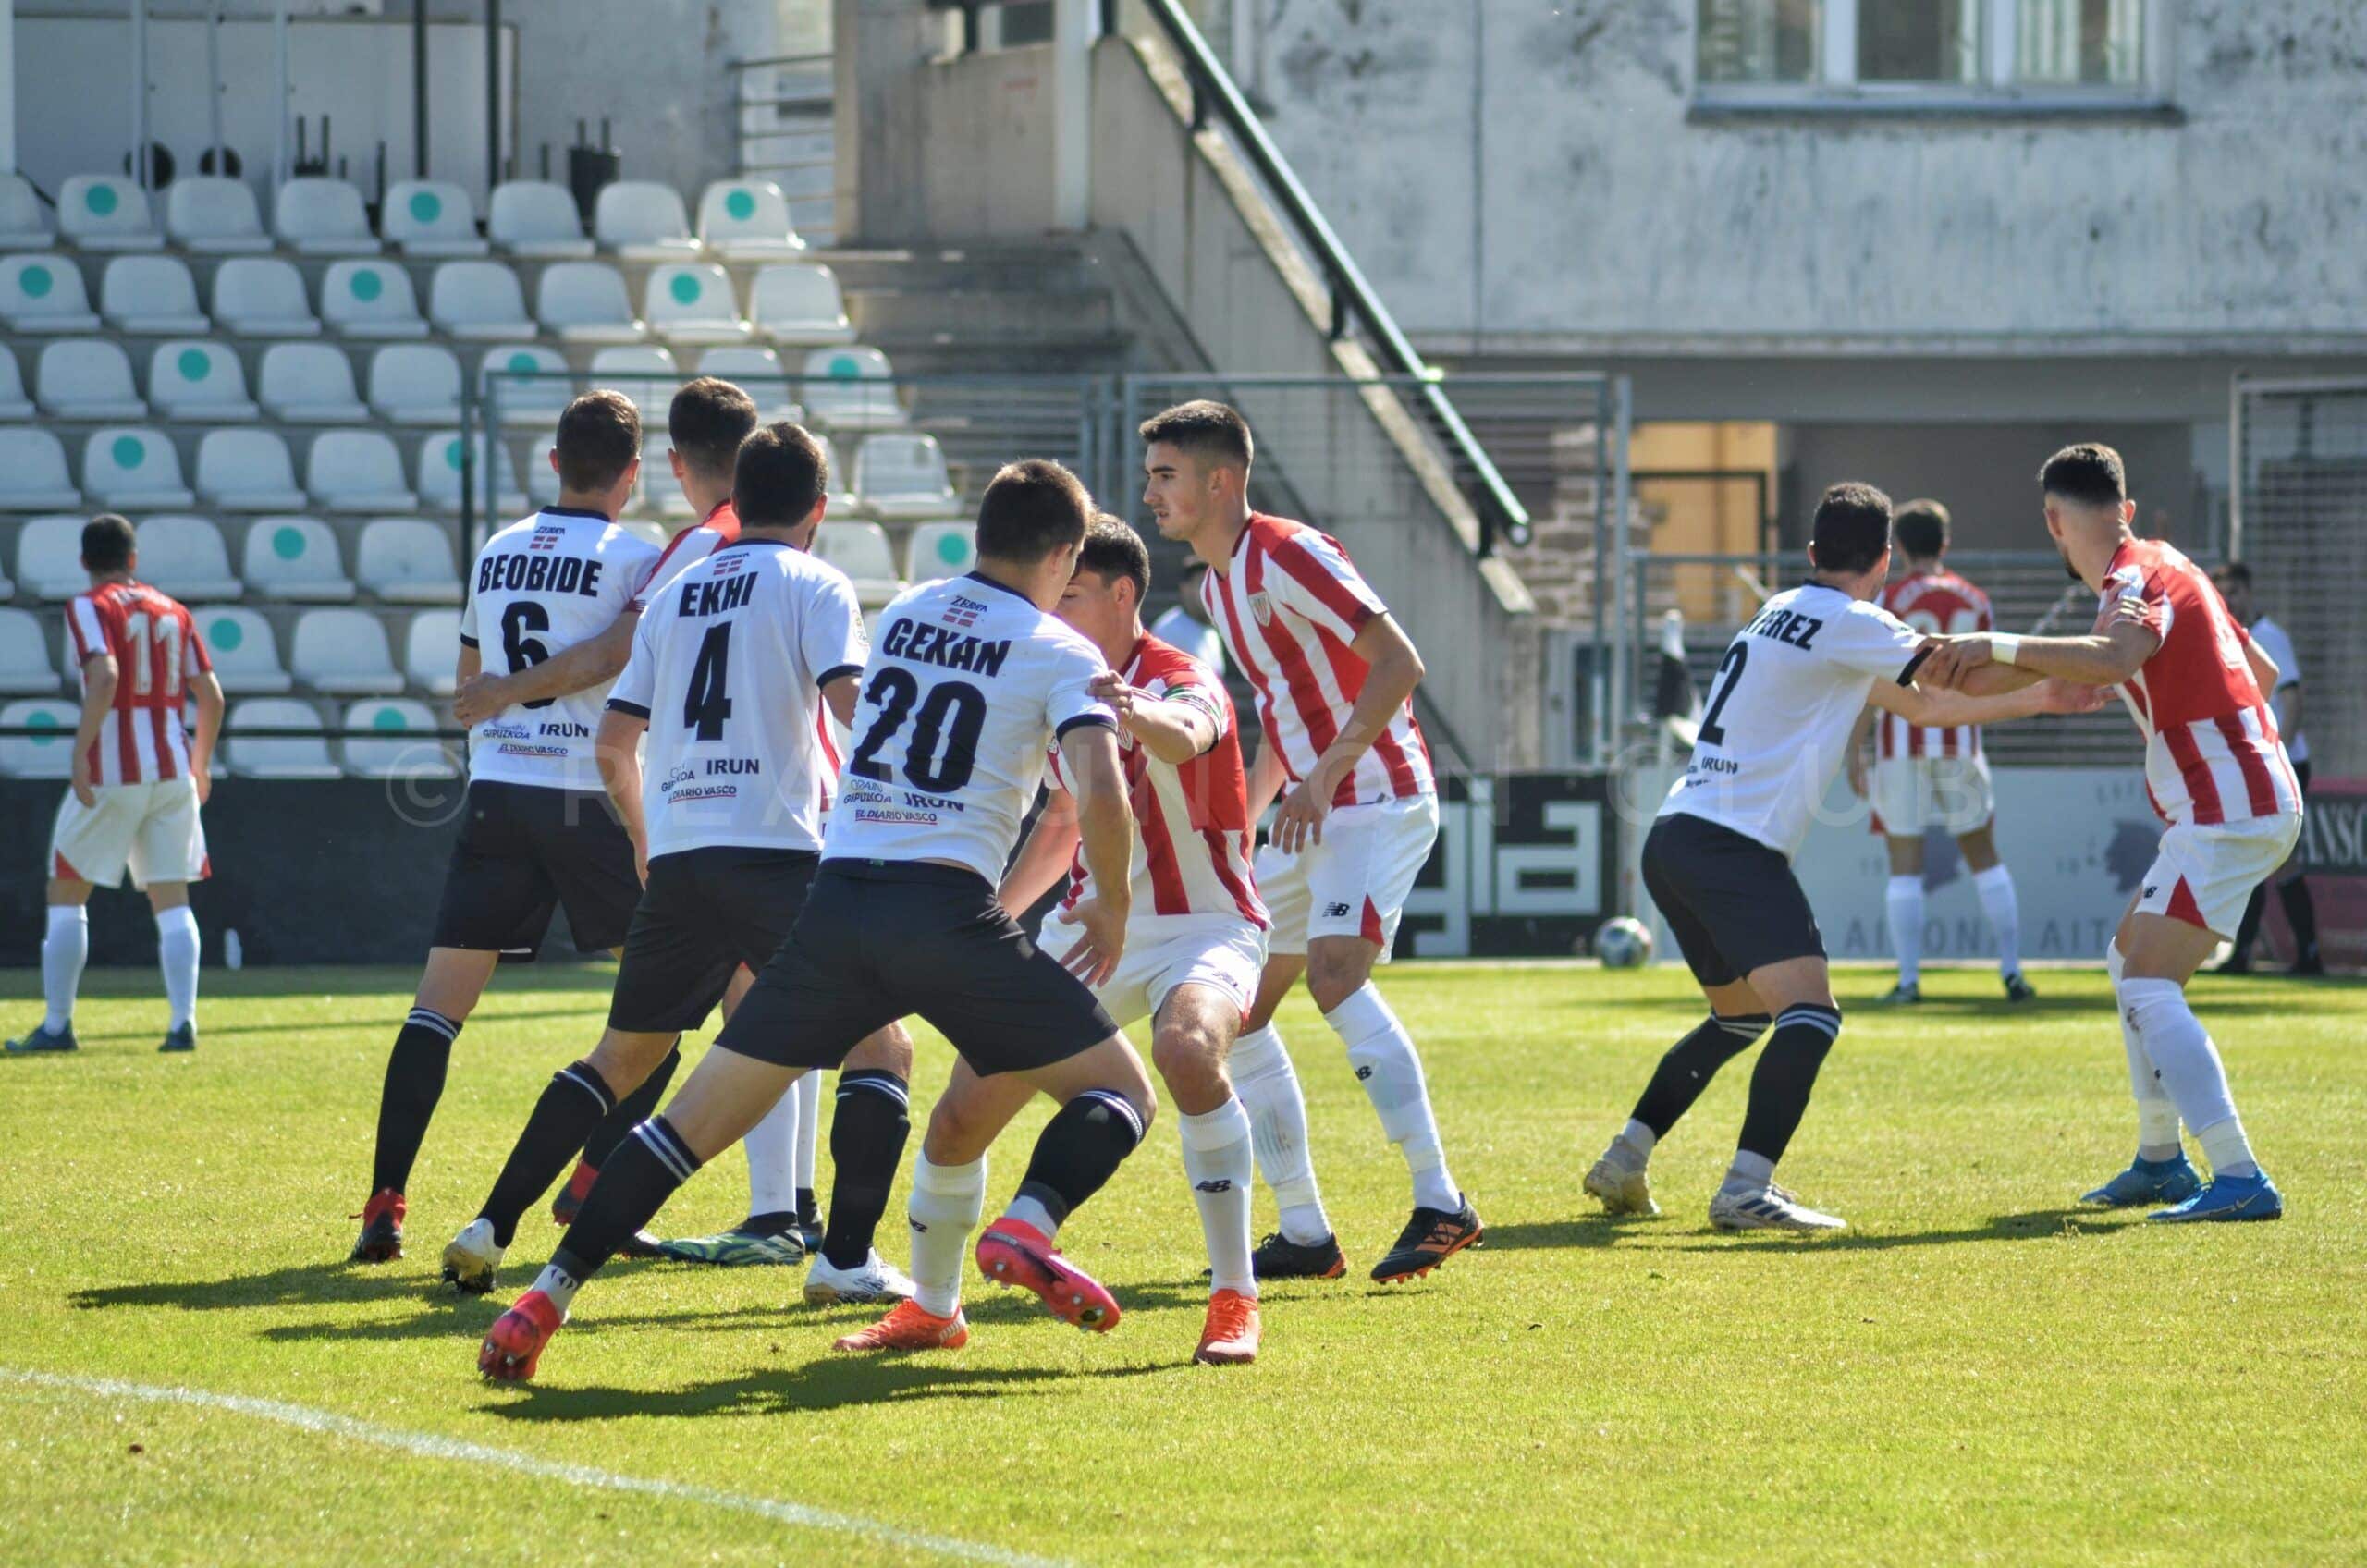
(1852, 529)
(706, 423)
(107, 543)
(1922, 528)
(599, 437)
(2233, 572)
(2088, 473)
(1113, 550)
(1204, 429)
(781, 470)
(1031, 510)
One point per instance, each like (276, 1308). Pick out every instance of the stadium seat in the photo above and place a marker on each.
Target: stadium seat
(24, 222)
(843, 502)
(537, 218)
(357, 471)
(478, 300)
(150, 295)
(644, 372)
(542, 480)
(851, 388)
(344, 653)
(746, 220)
(13, 404)
(294, 560)
(107, 211)
(32, 475)
(431, 217)
(276, 756)
(370, 299)
(901, 476)
(86, 378)
(245, 652)
(659, 492)
(798, 303)
(861, 550)
(129, 468)
(198, 382)
(641, 220)
(409, 748)
(309, 384)
(537, 401)
(431, 651)
(42, 292)
(407, 560)
(46, 755)
(585, 303)
(24, 658)
(758, 373)
(415, 384)
(186, 557)
(692, 302)
(246, 470)
(215, 216)
(315, 217)
(438, 472)
(49, 554)
(262, 297)
(940, 549)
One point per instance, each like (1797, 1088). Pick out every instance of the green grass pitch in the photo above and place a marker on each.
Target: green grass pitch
(1977, 1370)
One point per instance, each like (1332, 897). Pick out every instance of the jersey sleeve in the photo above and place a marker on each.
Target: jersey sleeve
(1314, 576)
(2149, 590)
(1068, 699)
(832, 635)
(678, 555)
(1874, 642)
(635, 685)
(83, 625)
(1192, 686)
(468, 612)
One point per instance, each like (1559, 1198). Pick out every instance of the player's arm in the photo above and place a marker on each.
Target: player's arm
(2125, 635)
(1267, 776)
(466, 667)
(205, 691)
(1173, 731)
(1940, 707)
(596, 659)
(1856, 754)
(1106, 830)
(616, 747)
(841, 696)
(1393, 670)
(2264, 672)
(1044, 859)
(99, 678)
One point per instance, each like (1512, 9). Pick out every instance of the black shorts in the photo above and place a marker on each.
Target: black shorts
(879, 940)
(1731, 903)
(704, 912)
(525, 851)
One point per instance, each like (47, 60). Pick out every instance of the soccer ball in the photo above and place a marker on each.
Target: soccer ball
(1623, 943)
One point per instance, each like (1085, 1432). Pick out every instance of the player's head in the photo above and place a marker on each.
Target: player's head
(705, 424)
(598, 453)
(1031, 525)
(2234, 581)
(1196, 466)
(1104, 598)
(1849, 542)
(778, 478)
(1195, 572)
(1922, 530)
(109, 548)
(2088, 509)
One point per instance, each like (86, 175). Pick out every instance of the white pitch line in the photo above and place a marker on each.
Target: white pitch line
(429, 1445)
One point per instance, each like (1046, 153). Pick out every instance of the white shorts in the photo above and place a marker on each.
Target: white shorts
(1913, 794)
(1223, 952)
(152, 829)
(2205, 875)
(1356, 882)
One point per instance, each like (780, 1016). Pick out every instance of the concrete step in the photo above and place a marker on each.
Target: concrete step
(978, 315)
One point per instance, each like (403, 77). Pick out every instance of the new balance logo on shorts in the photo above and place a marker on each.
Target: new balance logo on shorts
(1335, 912)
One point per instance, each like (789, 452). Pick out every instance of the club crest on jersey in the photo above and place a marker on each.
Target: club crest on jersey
(963, 612)
(1262, 607)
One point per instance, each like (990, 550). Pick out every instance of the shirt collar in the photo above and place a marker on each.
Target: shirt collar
(1003, 587)
(577, 512)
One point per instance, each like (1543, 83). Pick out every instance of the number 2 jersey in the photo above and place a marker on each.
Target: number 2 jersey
(156, 649)
(727, 667)
(968, 686)
(1945, 605)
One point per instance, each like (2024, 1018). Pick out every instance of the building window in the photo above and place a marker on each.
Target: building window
(1920, 54)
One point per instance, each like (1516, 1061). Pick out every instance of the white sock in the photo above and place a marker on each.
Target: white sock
(2157, 1119)
(809, 1128)
(2229, 1152)
(2190, 1070)
(946, 1203)
(1267, 1084)
(177, 956)
(1218, 1164)
(560, 1285)
(64, 950)
(1903, 901)
(1749, 1172)
(771, 1149)
(1382, 1054)
(1027, 1211)
(1632, 1149)
(1996, 887)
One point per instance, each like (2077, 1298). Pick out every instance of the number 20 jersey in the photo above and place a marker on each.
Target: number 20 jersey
(968, 685)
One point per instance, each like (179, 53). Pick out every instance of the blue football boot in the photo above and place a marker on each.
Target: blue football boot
(2149, 1181)
(2228, 1197)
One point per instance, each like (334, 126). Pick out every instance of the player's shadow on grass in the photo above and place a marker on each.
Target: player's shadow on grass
(308, 1283)
(1586, 1230)
(825, 1382)
(2038, 1224)
(333, 1026)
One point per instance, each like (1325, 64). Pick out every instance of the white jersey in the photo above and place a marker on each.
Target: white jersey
(1177, 628)
(968, 686)
(726, 666)
(541, 584)
(2273, 642)
(1781, 705)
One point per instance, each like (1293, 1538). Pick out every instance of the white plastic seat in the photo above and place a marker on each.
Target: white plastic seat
(276, 756)
(186, 557)
(13, 404)
(438, 472)
(746, 220)
(408, 748)
(644, 372)
(850, 388)
(585, 303)
(758, 371)
(659, 492)
(150, 294)
(46, 755)
(107, 211)
(49, 556)
(431, 651)
(246, 470)
(478, 300)
(940, 549)
(861, 550)
(538, 218)
(317, 216)
(86, 378)
(192, 380)
(42, 292)
(646, 532)
(407, 560)
(798, 303)
(244, 650)
(344, 653)
(534, 402)
(262, 297)
(356, 471)
(32, 473)
(24, 658)
(370, 299)
(542, 480)
(215, 216)
(130, 469)
(642, 221)
(309, 384)
(843, 500)
(415, 384)
(901, 475)
(24, 222)
(431, 217)
(692, 302)
(294, 560)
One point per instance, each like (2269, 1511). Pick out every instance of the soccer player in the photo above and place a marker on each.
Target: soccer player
(539, 832)
(1718, 861)
(1193, 952)
(1935, 778)
(1334, 675)
(969, 682)
(2219, 777)
(2234, 581)
(730, 664)
(138, 782)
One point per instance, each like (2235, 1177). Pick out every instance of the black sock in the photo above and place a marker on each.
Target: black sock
(2248, 929)
(631, 1110)
(1081, 1148)
(574, 1103)
(1786, 1071)
(808, 1210)
(1690, 1063)
(640, 1176)
(2301, 913)
(866, 1145)
(414, 1083)
(772, 1222)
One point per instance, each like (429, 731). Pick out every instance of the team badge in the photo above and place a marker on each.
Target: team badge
(1262, 607)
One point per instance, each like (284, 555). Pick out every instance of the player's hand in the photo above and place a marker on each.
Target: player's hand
(641, 859)
(2130, 610)
(1299, 821)
(2058, 695)
(202, 775)
(1857, 771)
(479, 698)
(82, 790)
(1095, 958)
(1946, 660)
(1111, 688)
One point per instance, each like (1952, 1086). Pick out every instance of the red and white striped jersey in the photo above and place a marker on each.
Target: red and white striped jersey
(1289, 604)
(1940, 603)
(2211, 751)
(156, 649)
(834, 756)
(1192, 856)
(685, 550)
